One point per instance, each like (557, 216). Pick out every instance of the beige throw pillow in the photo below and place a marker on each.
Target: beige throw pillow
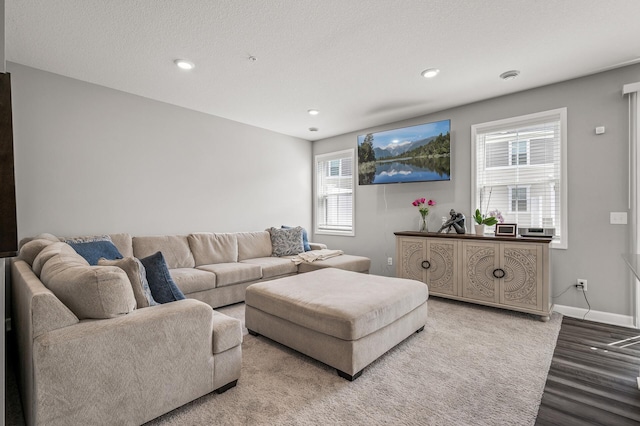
(137, 276)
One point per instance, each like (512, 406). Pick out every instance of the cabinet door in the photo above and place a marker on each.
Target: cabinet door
(480, 260)
(412, 252)
(522, 282)
(442, 257)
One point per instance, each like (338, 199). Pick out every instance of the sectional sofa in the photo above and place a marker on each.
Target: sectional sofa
(217, 268)
(90, 349)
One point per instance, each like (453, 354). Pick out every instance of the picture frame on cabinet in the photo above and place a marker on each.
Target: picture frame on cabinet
(506, 229)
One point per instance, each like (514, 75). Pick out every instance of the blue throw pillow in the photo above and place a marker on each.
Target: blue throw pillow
(163, 289)
(92, 251)
(305, 238)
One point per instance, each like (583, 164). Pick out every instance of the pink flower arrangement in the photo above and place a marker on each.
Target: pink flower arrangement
(423, 205)
(498, 215)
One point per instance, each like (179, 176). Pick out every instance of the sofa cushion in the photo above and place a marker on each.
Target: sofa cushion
(208, 248)
(163, 289)
(31, 249)
(92, 251)
(124, 243)
(174, 248)
(253, 244)
(90, 292)
(273, 266)
(305, 237)
(47, 253)
(286, 242)
(192, 280)
(346, 262)
(137, 276)
(233, 273)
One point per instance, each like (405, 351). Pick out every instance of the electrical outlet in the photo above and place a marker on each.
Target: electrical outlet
(618, 218)
(581, 283)
(389, 261)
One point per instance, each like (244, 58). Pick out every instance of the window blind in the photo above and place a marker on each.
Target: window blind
(519, 170)
(334, 193)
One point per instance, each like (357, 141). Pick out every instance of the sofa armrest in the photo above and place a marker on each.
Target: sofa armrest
(317, 246)
(36, 309)
(227, 332)
(129, 369)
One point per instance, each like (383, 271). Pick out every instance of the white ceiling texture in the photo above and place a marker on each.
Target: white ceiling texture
(356, 61)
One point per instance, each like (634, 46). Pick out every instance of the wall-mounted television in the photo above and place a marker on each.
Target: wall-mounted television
(419, 153)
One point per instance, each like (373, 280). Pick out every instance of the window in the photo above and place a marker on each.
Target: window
(519, 198)
(519, 153)
(519, 168)
(333, 198)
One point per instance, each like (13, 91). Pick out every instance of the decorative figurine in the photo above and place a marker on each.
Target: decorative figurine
(456, 222)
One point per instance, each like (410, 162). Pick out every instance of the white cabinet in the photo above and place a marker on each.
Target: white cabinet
(510, 273)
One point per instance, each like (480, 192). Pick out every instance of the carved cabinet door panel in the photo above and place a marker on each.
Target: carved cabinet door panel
(481, 260)
(442, 267)
(412, 253)
(522, 282)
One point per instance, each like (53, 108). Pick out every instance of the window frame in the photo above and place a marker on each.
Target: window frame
(559, 114)
(328, 157)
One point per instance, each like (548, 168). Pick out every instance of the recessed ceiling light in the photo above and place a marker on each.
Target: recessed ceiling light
(184, 64)
(313, 112)
(509, 75)
(430, 72)
(313, 129)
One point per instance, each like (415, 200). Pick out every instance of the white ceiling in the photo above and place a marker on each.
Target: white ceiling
(357, 61)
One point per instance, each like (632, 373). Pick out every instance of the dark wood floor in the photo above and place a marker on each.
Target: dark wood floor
(593, 376)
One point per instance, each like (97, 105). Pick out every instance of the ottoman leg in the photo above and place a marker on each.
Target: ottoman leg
(253, 333)
(349, 377)
(420, 329)
(226, 387)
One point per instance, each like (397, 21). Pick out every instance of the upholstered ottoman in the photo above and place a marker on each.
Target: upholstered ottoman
(342, 318)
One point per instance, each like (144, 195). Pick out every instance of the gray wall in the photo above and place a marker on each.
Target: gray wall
(95, 160)
(597, 180)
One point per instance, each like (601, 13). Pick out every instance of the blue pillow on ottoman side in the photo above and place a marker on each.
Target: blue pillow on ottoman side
(163, 289)
(92, 251)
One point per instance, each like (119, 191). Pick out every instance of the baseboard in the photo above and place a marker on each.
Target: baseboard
(598, 316)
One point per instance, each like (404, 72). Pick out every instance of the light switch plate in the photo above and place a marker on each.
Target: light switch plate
(618, 218)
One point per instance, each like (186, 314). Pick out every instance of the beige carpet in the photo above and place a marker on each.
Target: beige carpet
(471, 366)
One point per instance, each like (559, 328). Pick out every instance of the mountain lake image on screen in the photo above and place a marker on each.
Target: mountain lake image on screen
(410, 154)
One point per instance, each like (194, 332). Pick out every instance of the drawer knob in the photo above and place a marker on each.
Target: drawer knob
(499, 273)
(426, 264)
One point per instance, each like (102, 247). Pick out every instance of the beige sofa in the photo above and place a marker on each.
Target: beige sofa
(133, 365)
(217, 268)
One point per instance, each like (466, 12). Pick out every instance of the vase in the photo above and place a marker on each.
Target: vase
(479, 229)
(422, 224)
